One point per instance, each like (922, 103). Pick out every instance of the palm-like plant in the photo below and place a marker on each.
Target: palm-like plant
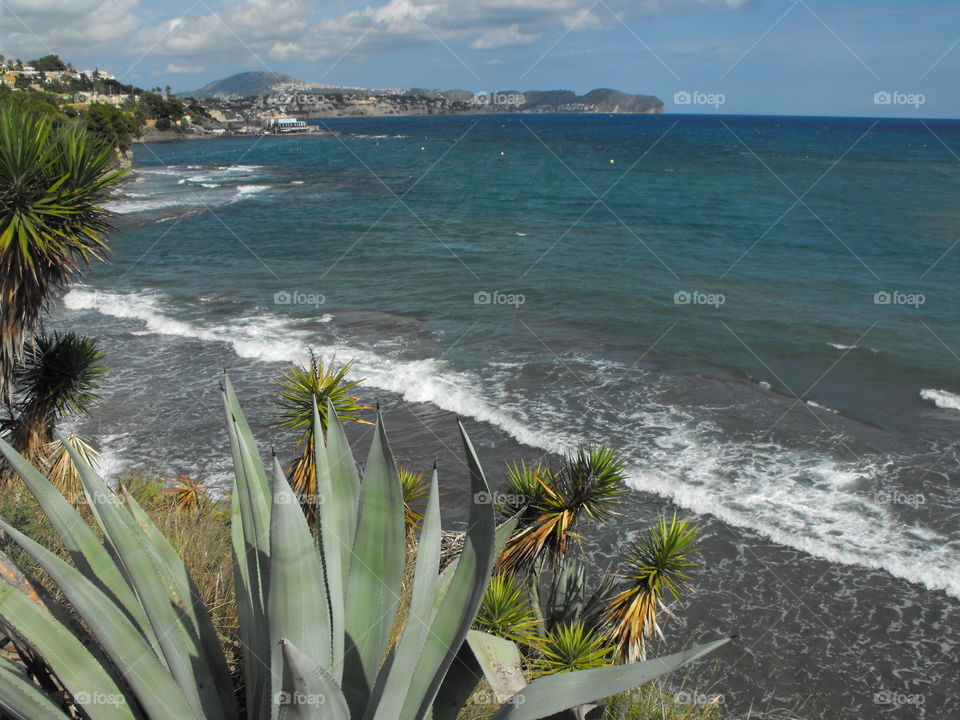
(589, 485)
(57, 378)
(316, 612)
(655, 566)
(54, 181)
(414, 489)
(187, 493)
(505, 610)
(302, 387)
(570, 647)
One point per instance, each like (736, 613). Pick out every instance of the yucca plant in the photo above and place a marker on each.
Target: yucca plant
(56, 379)
(505, 610)
(302, 387)
(186, 492)
(316, 613)
(523, 490)
(54, 180)
(414, 489)
(589, 485)
(569, 647)
(655, 566)
(569, 601)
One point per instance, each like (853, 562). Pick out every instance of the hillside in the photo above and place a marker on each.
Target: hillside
(245, 84)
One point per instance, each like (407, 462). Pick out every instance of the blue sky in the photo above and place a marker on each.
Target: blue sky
(731, 56)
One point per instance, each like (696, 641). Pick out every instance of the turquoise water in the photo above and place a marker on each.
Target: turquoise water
(761, 312)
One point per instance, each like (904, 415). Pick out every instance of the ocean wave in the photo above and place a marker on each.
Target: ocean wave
(798, 498)
(941, 398)
(127, 206)
(251, 189)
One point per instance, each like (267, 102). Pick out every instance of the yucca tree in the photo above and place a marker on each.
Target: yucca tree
(569, 647)
(316, 612)
(56, 379)
(301, 388)
(54, 180)
(414, 489)
(588, 486)
(654, 566)
(505, 610)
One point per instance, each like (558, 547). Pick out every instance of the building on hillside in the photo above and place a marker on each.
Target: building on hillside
(284, 124)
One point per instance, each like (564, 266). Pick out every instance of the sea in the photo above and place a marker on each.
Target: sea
(760, 313)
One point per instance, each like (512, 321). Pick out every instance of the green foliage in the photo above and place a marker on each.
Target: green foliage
(571, 647)
(110, 124)
(48, 63)
(303, 388)
(655, 566)
(414, 489)
(153, 105)
(315, 613)
(506, 610)
(53, 183)
(588, 486)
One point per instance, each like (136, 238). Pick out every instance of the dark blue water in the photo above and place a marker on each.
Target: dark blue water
(761, 312)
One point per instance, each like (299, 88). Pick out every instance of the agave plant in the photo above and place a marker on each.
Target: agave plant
(303, 387)
(655, 566)
(316, 612)
(588, 486)
(505, 610)
(54, 181)
(569, 647)
(568, 600)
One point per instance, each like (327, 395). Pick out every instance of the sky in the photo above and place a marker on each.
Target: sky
(877, 58)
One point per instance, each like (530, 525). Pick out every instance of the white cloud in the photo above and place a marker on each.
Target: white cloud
(182, 69)
(305, 30)
(510, 36)
(42, 26)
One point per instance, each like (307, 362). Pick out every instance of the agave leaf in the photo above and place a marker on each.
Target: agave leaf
(250, 534)
(73, 664)
(346, 483)
(462, 599)
(81, 543)
(393, 682)
(297, 610)
(309, 692)
(196, 610)
(147, 676)
(164, 605)
(335, 542)
(22, 700)
(376, 573)
(552, 694)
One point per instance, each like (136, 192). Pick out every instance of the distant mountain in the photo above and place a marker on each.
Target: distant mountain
(245, 84)
(329, 101)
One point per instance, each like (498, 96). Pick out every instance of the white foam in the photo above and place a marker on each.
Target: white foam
(798, 498)
(251, 189)
(838, 346)
(941, 398)
(127, 206)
